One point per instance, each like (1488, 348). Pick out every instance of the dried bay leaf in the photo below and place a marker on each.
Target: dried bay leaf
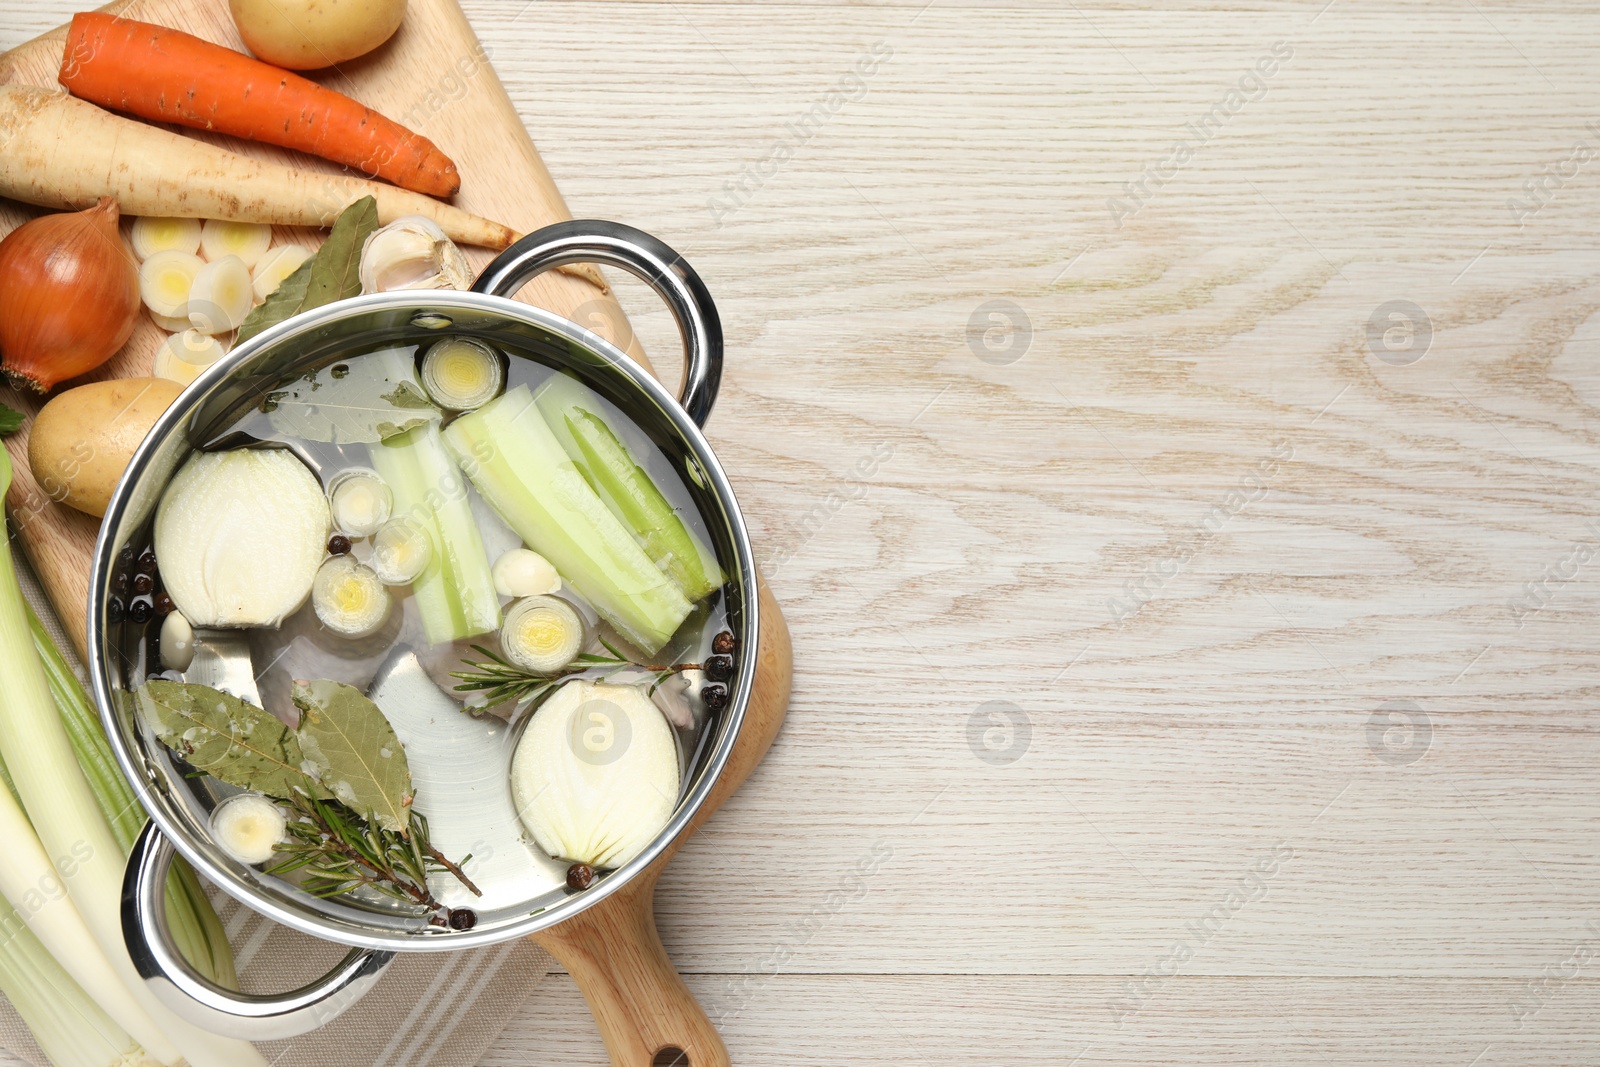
(226, 738)
(333, 273)
(355, 752)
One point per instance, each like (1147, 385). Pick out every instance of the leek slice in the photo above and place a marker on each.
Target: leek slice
(514, 459)
(455, 591)
(577, 418)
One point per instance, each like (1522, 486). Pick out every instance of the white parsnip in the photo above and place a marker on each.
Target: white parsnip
(58, 151)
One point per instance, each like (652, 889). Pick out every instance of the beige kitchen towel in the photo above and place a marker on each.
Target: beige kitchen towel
(428, 1010)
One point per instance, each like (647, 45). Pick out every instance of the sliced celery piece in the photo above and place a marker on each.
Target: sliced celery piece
(455, 592)
(514, 459)
(576, 417)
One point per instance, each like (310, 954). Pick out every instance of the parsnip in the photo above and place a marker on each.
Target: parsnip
(60, 152)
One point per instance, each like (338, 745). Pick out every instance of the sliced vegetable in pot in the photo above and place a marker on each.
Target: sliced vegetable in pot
(595, 774)
(575, 416)
(461, 374)
(401, 551)
(521, 470)
(542, 634)
(240, 536)
(349, 599)
(455, 589)
(248, 827)
(361, 501)
(523, 572)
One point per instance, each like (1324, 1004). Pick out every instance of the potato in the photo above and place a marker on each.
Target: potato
(82, 439)
(310, 34)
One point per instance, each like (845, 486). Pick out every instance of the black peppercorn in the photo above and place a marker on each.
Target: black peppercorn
(114, 610)
(126, 557)
(163, 604)
(147, 563)
(715, 696)
(722, 644)
(120, 582)
(719, 668)
(143, 583)
(338, 544)
(340, 370)
(580, 876)
(139, 612)
(463, 918)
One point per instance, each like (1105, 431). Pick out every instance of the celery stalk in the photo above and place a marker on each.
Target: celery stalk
(195, 926)
(577, 418)
(514, 459)
(62, 828)
(69, 1026)
(455, 593)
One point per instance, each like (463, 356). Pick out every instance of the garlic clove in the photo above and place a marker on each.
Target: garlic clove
(523, 572)
(165, 281)
(220, 296)
(595, 774)
(177, 642)
(270, 271)
(151, 235)
(247, 240)
(412, 253)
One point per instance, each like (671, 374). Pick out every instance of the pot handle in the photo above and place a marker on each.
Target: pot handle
(195, 998)
(649, 260)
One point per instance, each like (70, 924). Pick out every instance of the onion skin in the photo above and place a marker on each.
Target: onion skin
(69, 296)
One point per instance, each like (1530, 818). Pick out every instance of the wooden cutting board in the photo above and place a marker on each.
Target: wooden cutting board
(433, 76)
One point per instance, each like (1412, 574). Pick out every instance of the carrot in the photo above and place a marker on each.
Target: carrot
(169, 76)
(57, 151)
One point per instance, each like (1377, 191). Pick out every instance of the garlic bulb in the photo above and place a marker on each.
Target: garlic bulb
(248, 827)
(412, 253)
(595, 774)
(239, 537)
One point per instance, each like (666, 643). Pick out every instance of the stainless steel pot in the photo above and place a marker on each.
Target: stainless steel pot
(179, 807)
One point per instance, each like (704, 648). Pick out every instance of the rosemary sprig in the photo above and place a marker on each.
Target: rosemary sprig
(504, 682)
(341, 852)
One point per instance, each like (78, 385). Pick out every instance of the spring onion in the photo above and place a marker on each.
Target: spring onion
(518, 465)
(542, 634)
(577, 418)
(455, 589)
(63, 829)
(461, 374)
(349, 599)
(360, 500)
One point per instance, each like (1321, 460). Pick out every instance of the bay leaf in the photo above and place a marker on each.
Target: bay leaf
(355, 752)
(360, 400)
(333, 273)
(226, 737)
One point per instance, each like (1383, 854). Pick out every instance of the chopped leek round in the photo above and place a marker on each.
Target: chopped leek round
(220, 295)
(165, 280)
(542, 634)
(151, 235)
(400, 551)
(349, 599)
(523, 572)
(461, 374)
(247, 240)
(186, 354)
(361, 501)
(248, 827)
(270, 271)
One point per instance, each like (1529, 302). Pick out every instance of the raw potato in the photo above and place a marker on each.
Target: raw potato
(311, 34)
(82, 440)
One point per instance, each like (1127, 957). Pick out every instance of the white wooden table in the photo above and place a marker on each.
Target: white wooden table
(1190, 550)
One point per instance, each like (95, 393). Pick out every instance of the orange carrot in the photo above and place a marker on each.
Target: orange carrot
(168, 76)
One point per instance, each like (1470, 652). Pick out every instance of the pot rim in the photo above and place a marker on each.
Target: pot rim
(307, 919)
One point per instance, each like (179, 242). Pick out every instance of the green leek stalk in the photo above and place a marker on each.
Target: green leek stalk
(195, 926)
(69, 1026)
(577, 418)
(514, 459)
(74, 837)
(455, 593)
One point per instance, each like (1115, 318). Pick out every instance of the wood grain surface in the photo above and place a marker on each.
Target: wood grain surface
(1296, 628)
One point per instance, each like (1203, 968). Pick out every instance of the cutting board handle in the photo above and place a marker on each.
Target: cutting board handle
(640, 1004)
